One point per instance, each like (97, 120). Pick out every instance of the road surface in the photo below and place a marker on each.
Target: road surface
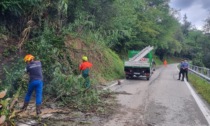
(162, 101)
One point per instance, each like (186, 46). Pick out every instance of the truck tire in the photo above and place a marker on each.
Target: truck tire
(147, 78)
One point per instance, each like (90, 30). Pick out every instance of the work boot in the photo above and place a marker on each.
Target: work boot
(38, 109)
(25, 105)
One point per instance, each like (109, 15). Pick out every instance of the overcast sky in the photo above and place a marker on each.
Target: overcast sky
(196, 10)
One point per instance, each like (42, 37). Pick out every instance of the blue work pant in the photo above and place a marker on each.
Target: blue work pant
(85, 74)
(36, 85)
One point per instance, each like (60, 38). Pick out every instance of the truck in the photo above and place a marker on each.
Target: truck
(140, 63)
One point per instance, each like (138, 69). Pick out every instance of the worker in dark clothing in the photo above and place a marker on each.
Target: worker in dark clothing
(84, 70)
(186, 66)
(34, 69)
(181, 70)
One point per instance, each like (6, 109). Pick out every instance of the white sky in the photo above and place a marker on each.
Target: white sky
(196, 10)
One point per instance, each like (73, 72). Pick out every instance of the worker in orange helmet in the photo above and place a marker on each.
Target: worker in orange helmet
(34, 69)
(165, 63)
(84, 70)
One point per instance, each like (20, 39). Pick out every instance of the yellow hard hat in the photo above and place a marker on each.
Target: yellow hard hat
(28, 57)
(85, 58)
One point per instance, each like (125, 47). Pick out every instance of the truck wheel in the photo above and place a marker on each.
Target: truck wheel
(147, 78)
(127, 78)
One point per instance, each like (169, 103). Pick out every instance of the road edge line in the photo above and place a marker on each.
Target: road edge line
(199, 102)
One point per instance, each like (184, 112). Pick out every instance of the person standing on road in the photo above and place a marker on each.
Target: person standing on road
(34, 69)
(185, 65)
(181, 70)
(84, 70)
(165, 63)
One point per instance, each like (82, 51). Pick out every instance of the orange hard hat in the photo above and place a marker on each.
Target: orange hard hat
(28, 57)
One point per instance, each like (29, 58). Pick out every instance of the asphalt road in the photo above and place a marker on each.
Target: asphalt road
(161, 101)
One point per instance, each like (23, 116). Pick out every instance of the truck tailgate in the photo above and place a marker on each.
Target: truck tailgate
(136, 64)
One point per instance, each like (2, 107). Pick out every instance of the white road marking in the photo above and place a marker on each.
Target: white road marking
(199, 102)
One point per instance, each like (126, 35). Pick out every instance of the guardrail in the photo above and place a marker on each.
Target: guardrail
(201, 71)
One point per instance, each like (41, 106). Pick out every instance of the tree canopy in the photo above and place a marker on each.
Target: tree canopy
(120, 25)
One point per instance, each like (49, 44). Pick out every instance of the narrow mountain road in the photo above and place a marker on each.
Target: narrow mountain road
(162, 101)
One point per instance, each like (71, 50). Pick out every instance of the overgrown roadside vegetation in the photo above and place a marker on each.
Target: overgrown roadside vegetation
(60, 57)
(201, 85)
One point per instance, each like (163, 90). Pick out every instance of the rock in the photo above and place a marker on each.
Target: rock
(3, 37)
(3, 93)
(2, 119)
(118, 82)
(52, 106)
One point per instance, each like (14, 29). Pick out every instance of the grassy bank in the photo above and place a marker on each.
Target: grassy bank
(202, 86)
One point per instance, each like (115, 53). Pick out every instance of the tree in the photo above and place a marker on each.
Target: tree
(186, 25)
(206, 27)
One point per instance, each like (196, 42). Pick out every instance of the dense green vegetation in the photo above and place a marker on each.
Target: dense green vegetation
(119, 25)
(59, 32)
